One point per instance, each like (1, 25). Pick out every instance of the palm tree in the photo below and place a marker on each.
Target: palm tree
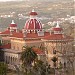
(28, 56)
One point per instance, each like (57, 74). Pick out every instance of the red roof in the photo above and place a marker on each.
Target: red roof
(38, 51)
(18, 35)
(33, 24)
(29, 35)
(13, 25)
(5, 32)
(7, 46)
(46, 36)
(33, 13)
(57, 37)
(57, 29)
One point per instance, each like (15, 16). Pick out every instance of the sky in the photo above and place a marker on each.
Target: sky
(21, 0)
(8, 0)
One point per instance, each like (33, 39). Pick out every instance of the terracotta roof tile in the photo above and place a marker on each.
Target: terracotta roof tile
(39, 51)
(57, 29)
(7, 46)
(57, 37)
(29, 35)
(32, 13)
(18, 35)
(5, 32)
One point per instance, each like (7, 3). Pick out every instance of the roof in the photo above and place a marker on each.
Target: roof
(33, 12)
(7, 32)
(13, 24)
(29, 35)
(33, 24)
(39, 51)
(58, 37)
(17, 34)
(47, 36)
(57, 29)
(6, 46)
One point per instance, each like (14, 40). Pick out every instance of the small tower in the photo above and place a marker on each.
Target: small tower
(33, 14)
(13, 27)
(57, 29)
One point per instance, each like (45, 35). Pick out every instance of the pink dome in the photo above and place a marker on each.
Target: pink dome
(33, 24)
(13, 24)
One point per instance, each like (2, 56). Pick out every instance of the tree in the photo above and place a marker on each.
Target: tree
(3, 68)
(40, 67)
(28, 56)
(54, 59)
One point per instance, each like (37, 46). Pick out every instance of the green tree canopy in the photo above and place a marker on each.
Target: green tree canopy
(3, 68)
(28, 55)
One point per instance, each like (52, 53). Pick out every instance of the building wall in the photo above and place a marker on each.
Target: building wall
(35, 43)
(17, 44)
(11, 58)
(62, 49)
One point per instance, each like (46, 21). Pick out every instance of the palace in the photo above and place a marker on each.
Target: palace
(33, 34)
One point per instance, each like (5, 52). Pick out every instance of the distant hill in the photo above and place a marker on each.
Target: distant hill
(36, 0)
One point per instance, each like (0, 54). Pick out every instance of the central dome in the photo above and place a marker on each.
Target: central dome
(33, 23)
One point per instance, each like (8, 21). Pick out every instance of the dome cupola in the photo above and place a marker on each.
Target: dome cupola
(33, 12)
(13, 24)
(57, 29)
(33, 23)
(13, 27)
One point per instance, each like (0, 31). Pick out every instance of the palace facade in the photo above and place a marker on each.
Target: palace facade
(33, 34)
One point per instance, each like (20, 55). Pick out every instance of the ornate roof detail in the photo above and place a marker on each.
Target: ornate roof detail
(57, 28)
(13, 24)
(33, 12)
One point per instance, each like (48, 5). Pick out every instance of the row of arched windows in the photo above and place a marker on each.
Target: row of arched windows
(10, 60)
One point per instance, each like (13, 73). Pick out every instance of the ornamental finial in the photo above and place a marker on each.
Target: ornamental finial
(57, 26)
(13, 22)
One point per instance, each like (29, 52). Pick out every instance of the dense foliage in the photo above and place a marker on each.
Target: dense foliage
(3, 68)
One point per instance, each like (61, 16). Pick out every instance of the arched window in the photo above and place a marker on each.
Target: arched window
(17, 48)
(10, 60)
(13, 47)
(6, 59)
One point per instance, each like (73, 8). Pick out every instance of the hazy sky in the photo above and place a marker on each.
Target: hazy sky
(9, 0)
